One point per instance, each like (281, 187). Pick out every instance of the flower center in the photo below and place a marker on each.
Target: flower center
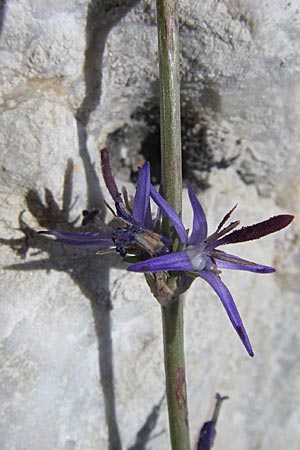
(197, 255)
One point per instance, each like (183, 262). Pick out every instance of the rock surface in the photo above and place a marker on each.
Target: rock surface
(81, 347)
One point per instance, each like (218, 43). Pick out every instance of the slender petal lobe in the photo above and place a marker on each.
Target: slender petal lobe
(171, 215)
(173, 261)
(226, 298)
(227, 261)
(77, 239)
(100, 244)
(199, 232)
(76, 235)
(141, 206)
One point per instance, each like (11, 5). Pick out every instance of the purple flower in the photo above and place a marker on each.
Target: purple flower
(135, 230)
(201, 256)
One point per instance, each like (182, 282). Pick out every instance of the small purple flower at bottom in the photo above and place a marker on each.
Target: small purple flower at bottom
(208, 431)
(202, 258)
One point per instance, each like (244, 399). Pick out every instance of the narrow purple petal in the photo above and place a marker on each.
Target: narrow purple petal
(141, 206)
(257, 230)
(77, 239)
(226, 298)
(227, 261)
(172, 261)
(199, 232)
(77, 235)
(88, 244)
(171, 215)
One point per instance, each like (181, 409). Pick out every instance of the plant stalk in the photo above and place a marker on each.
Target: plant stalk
(172, 318)
(171, 181)
(170, 127)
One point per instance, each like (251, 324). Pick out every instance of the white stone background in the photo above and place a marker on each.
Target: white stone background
(70, 319)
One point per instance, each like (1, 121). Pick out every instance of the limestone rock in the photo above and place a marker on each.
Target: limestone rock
(81, 346)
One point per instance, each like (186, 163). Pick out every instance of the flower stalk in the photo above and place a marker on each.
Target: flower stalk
(170, 128)
(172, 319)
(171, 182)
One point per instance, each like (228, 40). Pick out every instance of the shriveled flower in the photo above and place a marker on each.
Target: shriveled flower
(135, 230)
(202, 258)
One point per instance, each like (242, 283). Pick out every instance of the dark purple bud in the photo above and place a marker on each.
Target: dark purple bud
(208, 431)
(207, 436)
(257, 230)
(108, 176)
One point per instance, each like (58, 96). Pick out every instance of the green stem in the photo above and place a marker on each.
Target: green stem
(171, 179)
(172, 318)
(170, 128)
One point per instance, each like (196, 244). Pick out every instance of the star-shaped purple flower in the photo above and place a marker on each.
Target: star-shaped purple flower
(202, 257)
(135, 230)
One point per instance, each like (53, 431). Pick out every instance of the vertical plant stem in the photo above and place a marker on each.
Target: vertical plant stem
(172, 317)
(171, 163)
(170, 130)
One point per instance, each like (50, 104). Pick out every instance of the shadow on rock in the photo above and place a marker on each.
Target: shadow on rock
(90, 272)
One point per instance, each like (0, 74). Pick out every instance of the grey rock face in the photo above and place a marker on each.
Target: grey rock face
(81, 347)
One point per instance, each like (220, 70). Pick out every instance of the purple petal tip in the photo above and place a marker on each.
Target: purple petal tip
(245, 340)
(139, 268)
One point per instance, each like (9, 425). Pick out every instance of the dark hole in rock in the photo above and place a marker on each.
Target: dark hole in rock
(150, 145)
(138, 141)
